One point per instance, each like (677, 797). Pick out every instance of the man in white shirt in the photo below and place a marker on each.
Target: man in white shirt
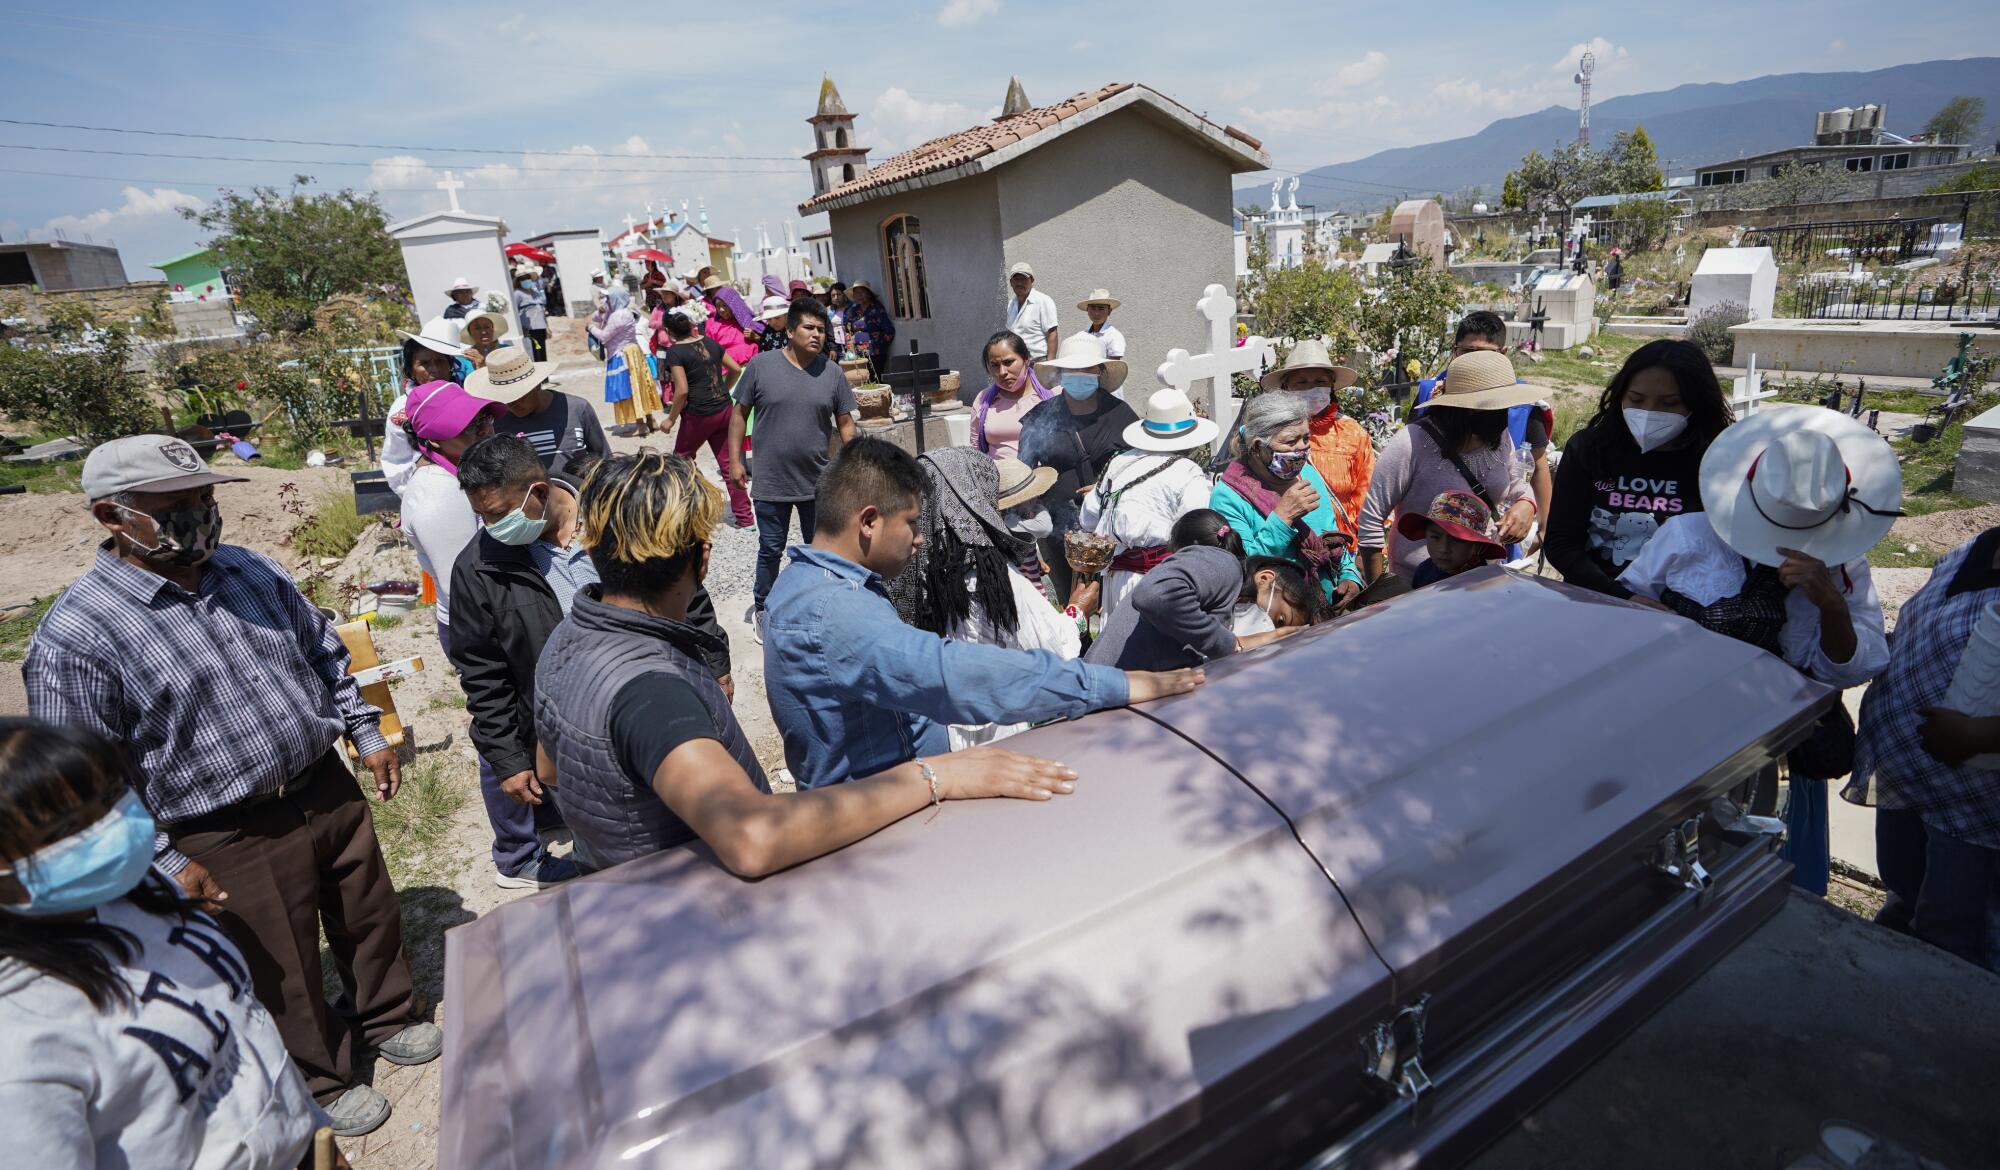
(1031, 313)
(1097, 306)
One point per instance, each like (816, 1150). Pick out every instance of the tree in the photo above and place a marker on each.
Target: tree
(1634, 165)
(1640, 225)
(1513, 190)
(1413, 305)
(289, 252)
(1792, 186)
(1984, 177)
(1958, 120)
(73, 377)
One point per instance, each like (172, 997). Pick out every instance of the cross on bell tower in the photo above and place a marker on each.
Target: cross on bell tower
(836, 157)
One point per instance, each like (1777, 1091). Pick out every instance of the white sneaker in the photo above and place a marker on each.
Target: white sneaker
(757, 627)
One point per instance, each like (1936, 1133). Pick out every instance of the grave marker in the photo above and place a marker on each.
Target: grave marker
(1223, 359)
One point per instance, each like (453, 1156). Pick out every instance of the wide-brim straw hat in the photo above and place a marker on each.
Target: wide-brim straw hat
(1169, 423)
(1803, 478)
(509, 374)
(440, 334)
(711, 282)
(1099, 296)
(462, 284)
(1082, 351)
(501, 326)
(773, 308)
(1020, 483)
(1462, 515)
(1309, 354)
(1482, 380)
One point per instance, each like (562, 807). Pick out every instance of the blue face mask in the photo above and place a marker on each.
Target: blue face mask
(516, 528)
(1079, 385)
(98, 865)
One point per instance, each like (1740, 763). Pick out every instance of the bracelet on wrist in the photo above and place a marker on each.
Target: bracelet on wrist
(930, 776)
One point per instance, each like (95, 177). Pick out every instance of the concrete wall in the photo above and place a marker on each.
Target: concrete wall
(1951, 206)
(141, 303)
(1904, 349)
(1128, 205)
(964, 266)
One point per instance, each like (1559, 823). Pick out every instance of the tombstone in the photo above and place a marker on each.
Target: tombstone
(1567, 303)
(1748, 390)
(1419, 223)
(1747, 276)
(1374, 256)
(442, 246)
(1978, 462)
(579, 256)
(1223, 359)
(1945, 237)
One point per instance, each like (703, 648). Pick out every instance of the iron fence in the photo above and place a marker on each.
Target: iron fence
(1947, 300)
(1869, 239)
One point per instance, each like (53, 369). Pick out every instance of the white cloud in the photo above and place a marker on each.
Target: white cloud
(1369, 68)
(140, 205)
(634, 145)
(515, 29)
(963, 12)
(1836, 46)
(1609, 56)
(898, 120)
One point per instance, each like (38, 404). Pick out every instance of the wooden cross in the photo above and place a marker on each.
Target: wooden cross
(450, 186)
(1223, 359)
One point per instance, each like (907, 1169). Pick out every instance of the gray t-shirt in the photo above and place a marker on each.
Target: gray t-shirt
(563, 427)
(795, 420)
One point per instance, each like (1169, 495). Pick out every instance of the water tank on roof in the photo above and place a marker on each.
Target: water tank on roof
(1840, 120)
(1868, 117)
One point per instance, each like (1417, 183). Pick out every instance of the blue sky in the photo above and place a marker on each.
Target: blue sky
(1319, 82)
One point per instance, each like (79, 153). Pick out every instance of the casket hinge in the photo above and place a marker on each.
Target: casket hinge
(1395, 1050)
(1678, 857)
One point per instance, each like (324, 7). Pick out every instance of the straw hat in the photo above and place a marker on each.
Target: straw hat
(711, 282)
(462, 284)
(1482, 380)
(1309, 354)
(1804, 478)
(1020, 483)
(1169, 423)
(1099, 296)
(1082, 351)
(509, 375)
(441, 335)
(1462, 515)
(501, 326)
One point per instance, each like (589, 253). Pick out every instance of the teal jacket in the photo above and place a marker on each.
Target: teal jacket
(1270, 536)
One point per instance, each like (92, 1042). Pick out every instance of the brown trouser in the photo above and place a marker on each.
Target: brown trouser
(290, 865)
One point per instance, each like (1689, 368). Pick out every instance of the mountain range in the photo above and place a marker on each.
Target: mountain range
(1690, 125)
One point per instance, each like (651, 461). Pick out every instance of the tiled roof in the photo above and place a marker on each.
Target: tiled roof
(952, 150)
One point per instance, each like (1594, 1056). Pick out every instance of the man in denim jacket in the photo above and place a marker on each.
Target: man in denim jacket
(853, 689)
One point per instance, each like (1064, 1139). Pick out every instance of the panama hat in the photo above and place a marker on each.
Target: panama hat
(1020, 483)
(1309, 354)
(1804, 478)
(462, 284)
(711, 282)
(861, 284)
(1169, 423)
(1462, 515)
(773, 308)
(1081, 351)
(508, 375)
(1482, 380)
(441, 334)
(1099, 296)
(501, 326)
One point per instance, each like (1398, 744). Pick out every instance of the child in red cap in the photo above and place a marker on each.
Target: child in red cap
(1458, 530)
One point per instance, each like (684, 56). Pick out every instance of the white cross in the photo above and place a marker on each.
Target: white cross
(450, 186)
(1224, 358)
(629, 221)
(1749, 392)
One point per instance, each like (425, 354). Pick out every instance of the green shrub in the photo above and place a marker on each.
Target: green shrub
(1709, 330)
(72, 378)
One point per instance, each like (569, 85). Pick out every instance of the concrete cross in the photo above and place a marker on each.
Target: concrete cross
(1224, 358)
(1749, 391)
(450, 186)
(629, 221)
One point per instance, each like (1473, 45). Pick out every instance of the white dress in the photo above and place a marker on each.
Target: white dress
(1038, 626)
(1143, 515)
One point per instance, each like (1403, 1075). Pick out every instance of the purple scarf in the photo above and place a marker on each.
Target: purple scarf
(745, 320)
(773, 287)
(1317, 550)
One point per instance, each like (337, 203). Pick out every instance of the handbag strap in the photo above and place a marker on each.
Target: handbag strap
(1478, 488)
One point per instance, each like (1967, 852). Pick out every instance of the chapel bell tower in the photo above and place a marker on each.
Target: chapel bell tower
(835, 157)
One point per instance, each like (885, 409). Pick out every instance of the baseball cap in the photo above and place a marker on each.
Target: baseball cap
(442, 410)
(1021, 269)
(146, 463)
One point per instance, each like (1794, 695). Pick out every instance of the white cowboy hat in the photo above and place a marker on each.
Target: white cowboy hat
(1081, 351)
(462, 284)
(773, 308)
(1482, 380)
(1804, 478)
(1020, 483)
(1099, 296)
(440, 334)
(501, 327)
(509, 374)
(1310, 354)
(1169, 423)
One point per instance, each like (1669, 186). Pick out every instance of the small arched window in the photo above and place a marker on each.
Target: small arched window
(840, 138)
(903, 261)
(847, 173)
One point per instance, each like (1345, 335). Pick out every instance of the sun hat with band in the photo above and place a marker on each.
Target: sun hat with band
(440, 335)
(1482, 380)
(1804, 478)
(462, 284)
(1099, 296)
(1309, 354)
(774, 308)
(1462, 515)
(501, 326)
(509, 375)
(1083, 351)
(1169, 423)
(1021, 484)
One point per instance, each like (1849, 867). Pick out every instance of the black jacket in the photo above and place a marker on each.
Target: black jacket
(502, 613)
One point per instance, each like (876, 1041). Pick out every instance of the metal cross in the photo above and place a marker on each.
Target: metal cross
(450, 186)
(1223, 359)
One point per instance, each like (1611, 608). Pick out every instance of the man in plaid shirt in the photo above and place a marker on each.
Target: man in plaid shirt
(232, 693)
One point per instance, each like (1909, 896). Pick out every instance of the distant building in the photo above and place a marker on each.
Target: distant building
(819, 247)
(1120, 187)
(1843, 139)
(196, 276)
(60, 265)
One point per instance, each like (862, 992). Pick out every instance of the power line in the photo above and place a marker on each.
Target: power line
(389, 145)
(330, 162)
(221, 186)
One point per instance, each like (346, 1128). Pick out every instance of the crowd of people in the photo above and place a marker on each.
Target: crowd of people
(179, 825)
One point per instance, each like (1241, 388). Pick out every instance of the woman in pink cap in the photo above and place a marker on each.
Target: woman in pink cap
(442, 420)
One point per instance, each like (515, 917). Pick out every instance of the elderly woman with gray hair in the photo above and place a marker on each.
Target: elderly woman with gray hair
(963, 582)
(1276, 502)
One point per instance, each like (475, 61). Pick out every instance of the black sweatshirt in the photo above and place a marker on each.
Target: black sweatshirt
(1609, 499)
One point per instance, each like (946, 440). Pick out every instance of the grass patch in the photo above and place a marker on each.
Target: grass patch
(15, 634)
(1572, 411)
(387, 623)
(331, 531)
(1566, 367)
(43, 478)
(450, 700)
(1929, 468)
(414, 827)
(1888, 554)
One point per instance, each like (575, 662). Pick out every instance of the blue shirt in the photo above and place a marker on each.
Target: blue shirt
(855, 691)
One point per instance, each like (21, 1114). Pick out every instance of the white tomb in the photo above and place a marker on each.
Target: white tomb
(1374, 256)
(579, 256)
(1223, 359)
(1570, 303)
(443, 246)
(1746, 276)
